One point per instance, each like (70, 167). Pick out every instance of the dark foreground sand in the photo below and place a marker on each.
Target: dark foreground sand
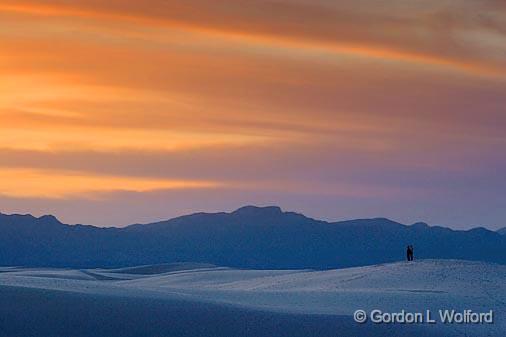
(48, 313)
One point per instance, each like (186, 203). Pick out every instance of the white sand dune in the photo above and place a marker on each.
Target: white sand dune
(419, 286)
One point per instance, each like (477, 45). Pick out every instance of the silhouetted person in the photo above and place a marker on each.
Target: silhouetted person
(409, 252)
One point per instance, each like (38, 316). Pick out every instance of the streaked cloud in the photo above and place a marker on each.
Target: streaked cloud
(61, 184)
(316, 98)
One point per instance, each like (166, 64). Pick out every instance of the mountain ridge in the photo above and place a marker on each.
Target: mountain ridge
(249, 237)
(242, 210)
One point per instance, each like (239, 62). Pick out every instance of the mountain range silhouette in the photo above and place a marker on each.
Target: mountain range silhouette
(250, 237)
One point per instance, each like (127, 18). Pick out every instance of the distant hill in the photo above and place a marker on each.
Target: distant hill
(250, 237)
(502, 231)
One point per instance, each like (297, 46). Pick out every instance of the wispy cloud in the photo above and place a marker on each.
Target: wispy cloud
(60, 184)
(324, 98)
(322, 28)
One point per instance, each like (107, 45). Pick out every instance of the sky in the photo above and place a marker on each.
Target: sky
(120, 112)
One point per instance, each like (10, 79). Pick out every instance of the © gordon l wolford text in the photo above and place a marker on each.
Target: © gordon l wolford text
(445, 316)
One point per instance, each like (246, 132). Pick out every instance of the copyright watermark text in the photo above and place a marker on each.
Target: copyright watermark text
(445, 316)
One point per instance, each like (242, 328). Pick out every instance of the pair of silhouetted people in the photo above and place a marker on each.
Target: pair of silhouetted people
(410, 253)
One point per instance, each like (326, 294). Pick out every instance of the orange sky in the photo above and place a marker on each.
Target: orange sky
(306, 104)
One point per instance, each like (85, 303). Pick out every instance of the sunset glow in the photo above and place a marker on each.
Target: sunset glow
(339, 109)
(35, 183)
